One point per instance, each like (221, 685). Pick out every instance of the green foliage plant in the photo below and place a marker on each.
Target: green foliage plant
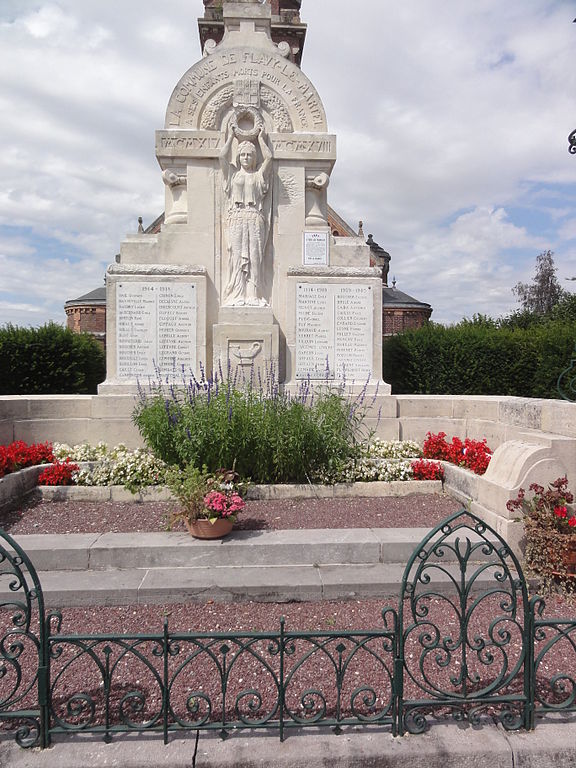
(544, 292)
(135, 469)
(267, 434)
(49, 360)
(550, 532)
(188, 486)
(520, 356)
(202, 495)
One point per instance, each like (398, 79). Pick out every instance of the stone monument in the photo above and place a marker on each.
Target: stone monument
(245, 273)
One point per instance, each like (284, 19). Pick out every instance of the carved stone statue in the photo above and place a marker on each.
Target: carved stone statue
(247, 190)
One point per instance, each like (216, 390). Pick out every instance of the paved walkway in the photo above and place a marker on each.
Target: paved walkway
(444, 746)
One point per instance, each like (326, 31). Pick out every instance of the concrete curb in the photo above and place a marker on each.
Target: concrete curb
(255, 492)
(445, 745)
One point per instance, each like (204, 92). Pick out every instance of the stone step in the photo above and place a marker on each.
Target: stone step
(283, 583)
(113, 568)
(100, 551)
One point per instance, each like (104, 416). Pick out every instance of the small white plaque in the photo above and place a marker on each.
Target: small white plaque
(334, 331)
(315, 249)
(155, 328)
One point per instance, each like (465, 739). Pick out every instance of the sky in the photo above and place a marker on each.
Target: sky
(451, 116)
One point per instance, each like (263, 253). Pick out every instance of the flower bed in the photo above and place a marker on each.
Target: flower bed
(550, 531)
(18, 455)
(471, 454)
(384, 461)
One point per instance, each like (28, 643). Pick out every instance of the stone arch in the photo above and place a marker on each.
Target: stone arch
(209, 87)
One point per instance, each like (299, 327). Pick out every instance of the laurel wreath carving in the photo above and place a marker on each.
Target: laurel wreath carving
(276, 107)
(210, 115)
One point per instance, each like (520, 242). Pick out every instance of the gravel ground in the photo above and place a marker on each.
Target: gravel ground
(416, 510)
(198, 678)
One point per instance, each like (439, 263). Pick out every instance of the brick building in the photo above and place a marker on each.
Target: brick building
(400, 312)
(87, 314)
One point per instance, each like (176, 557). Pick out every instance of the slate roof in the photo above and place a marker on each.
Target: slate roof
(392, 297)
(95, 297)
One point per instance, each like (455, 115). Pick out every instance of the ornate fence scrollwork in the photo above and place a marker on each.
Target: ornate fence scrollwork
(465, 641)
(23, 662)
(454, 662)
(566, 384)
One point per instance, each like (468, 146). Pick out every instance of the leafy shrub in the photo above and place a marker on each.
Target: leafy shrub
(49, 360)
(517, 356)
(549, 528)
(269, 436)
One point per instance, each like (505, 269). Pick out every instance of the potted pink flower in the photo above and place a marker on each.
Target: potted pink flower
(208, 504)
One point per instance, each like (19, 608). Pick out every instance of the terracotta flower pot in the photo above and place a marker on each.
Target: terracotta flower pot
(204, 529)
(569, 557)
(563, 557)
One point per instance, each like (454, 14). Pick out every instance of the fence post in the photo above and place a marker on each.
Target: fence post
(281, 679)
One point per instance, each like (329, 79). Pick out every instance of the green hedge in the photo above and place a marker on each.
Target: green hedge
(49, 360)
(479, 358)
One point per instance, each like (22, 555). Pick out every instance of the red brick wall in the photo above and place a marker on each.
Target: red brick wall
(399, 320)
(87, 320)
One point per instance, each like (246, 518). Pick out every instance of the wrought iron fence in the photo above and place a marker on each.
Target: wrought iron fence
(566, 384)
(464, 640)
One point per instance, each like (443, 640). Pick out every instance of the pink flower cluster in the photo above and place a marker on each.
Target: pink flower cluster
(224, 504)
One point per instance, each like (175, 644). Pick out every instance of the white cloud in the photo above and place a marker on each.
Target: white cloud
(451, 119)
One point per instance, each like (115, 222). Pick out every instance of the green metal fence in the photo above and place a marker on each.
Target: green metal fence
(464, 641)
(566, 384)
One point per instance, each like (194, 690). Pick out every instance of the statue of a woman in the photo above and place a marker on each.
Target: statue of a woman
(246, 187)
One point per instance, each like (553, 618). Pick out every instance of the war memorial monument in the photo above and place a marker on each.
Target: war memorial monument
(245, 275)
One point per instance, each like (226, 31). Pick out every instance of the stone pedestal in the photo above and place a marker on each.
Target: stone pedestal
(246, 344)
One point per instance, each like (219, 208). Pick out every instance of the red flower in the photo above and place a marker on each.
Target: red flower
(561, 512)
(18, 455)
(472, 454)
(572, 522)
(427, 470)
(60, 473)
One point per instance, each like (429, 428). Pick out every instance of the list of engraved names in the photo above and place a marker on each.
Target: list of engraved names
(155, 328)
(333, 331)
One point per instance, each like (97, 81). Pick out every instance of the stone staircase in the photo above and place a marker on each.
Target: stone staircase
(294, 565)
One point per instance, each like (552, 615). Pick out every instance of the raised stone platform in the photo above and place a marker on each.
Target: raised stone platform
(279, 566)
(534, 440)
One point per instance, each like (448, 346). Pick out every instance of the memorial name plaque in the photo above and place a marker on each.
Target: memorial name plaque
(333, 331)
(155, 328)
(315, 249)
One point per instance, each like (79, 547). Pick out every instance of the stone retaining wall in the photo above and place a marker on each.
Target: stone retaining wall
(534, 440)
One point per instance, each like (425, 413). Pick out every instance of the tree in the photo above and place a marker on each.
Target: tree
(544, 292)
